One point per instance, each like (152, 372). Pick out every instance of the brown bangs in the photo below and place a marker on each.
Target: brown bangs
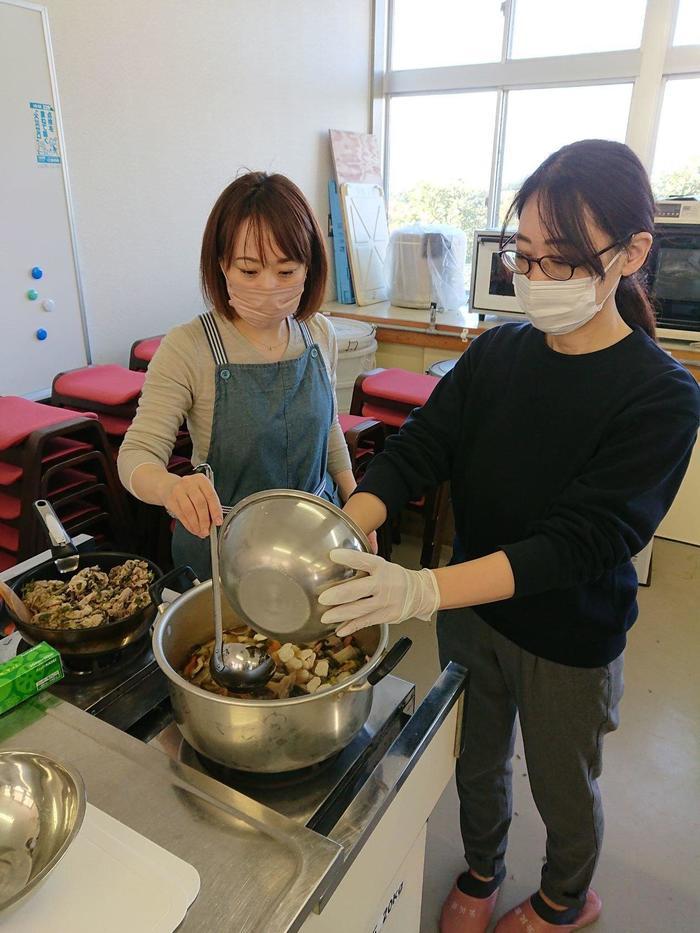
(275, 210)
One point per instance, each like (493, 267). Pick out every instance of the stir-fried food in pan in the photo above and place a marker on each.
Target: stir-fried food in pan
(90, 598)
(299, 669)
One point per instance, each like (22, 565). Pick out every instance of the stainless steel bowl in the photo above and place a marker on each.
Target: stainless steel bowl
(42, 805)
(274, 561)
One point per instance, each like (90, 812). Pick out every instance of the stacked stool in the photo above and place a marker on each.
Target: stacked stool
(61, 455)
(113, 392)
(142, 352)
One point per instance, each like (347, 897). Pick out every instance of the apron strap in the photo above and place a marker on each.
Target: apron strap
(306, 334)
(211, 332)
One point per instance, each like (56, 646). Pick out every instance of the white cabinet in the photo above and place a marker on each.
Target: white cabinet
(382, 890)
(683, 520)
(400, 907)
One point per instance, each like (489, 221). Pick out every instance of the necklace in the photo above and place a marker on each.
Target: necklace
(263, 346)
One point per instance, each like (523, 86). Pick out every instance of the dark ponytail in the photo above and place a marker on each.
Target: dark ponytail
(607, 181)
(634, 304)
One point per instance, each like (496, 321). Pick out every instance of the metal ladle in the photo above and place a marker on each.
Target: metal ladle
(235, 667)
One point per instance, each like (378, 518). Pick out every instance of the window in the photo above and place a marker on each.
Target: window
(677, 157)
(553, 27)
(478, 92)
(445, 32)
(440, 159)
(688, 23)
(540, 121)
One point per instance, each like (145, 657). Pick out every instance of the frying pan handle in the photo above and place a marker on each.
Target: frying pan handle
(61, 542)
(389, 661)
(156, 589)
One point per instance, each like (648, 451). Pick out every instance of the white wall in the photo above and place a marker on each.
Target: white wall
(163, 102)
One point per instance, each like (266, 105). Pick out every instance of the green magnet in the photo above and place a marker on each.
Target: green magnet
(32, 294)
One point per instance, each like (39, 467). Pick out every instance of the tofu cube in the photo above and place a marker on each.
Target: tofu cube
(286, 653)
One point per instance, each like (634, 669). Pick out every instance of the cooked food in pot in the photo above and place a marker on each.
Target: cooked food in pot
(300, 669)
(90, 598)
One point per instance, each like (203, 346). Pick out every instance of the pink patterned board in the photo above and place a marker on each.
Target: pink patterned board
(356, 157)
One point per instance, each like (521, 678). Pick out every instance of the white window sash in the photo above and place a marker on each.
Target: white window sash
(648, 68)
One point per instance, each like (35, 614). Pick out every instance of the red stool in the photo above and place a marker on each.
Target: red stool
(364, 437)
(142, 352)
(113, 393)
(389, 396)
(19, 417)
(108, 388)
(39, 448)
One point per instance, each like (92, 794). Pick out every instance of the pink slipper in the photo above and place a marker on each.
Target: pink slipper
(524, 919)
(462, 913)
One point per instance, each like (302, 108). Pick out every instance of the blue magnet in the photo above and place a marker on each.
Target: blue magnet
(32, 294)
(41, 334)
(37, 272)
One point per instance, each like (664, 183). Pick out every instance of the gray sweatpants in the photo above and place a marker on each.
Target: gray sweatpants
(564, 714)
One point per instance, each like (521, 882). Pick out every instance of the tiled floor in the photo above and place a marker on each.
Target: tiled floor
(649, 874)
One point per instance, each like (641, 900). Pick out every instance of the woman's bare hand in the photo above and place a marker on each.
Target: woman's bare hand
(193, 501)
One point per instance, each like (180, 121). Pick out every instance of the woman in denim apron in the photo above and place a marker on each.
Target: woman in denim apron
(263, 269)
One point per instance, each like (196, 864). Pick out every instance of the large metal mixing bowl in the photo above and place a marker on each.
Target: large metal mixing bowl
(274, 561)
(42, 805)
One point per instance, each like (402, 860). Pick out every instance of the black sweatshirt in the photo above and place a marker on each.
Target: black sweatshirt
(566, 463)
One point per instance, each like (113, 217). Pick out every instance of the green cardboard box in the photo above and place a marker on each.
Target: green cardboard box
(28, 674)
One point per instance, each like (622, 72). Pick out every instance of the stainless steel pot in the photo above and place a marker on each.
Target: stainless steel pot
(263, 735)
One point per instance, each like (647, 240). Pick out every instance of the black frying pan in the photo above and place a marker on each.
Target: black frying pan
(103, 638)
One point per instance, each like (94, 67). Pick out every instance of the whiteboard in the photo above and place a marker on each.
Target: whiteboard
(36, 222)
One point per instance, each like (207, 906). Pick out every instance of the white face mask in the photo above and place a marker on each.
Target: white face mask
(560, 307)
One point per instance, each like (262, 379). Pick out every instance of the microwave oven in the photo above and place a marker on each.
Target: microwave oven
(673, 280)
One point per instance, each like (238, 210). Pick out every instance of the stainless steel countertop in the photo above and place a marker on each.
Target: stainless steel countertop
(277, 868)
(260, 872)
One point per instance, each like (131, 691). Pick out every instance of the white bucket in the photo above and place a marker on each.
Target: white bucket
(357, 350)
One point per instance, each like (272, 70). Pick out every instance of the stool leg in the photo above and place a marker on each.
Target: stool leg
(384, 543)
(436, 510)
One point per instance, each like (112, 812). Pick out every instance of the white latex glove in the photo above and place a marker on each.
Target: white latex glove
(389, 593)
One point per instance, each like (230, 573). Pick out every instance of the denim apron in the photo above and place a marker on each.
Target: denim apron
(269, 431)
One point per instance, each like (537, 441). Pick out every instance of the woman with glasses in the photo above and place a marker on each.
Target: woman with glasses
(565, 440)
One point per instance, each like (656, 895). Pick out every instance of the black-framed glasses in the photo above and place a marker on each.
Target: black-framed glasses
(554, 267)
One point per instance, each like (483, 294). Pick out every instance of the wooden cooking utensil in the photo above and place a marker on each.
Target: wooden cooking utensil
(15, 603)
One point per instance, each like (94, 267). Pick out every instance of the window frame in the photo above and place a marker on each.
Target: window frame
(647, 68)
